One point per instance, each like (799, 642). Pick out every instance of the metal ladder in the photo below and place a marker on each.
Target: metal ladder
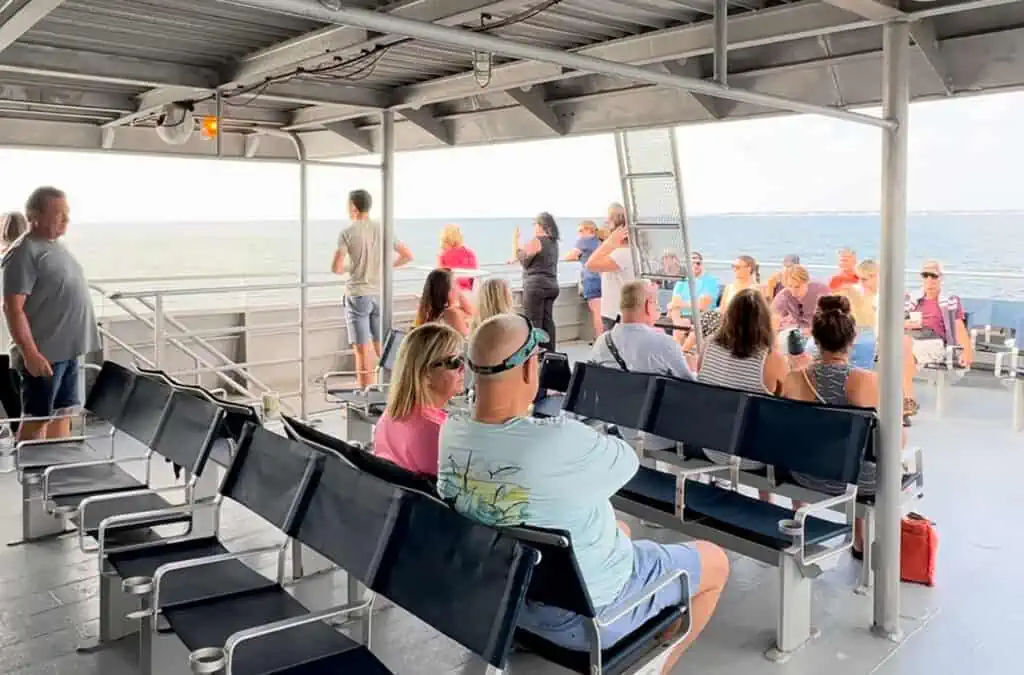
(655, 210)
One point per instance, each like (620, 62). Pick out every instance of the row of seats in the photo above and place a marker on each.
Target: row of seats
(826, 442)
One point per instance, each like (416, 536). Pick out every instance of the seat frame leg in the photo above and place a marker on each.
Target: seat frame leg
(36, 523)
(115, 607)
(161, 653)
(794, 629)
(867, 571)
(941, 391)
(205, 521)
(1018, 404)
(357, 429)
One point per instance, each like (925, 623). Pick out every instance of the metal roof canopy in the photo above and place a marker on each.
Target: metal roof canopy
(93, 75)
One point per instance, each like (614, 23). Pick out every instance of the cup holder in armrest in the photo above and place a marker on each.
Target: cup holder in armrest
(137, 585)
(791, 528)
(207, 661)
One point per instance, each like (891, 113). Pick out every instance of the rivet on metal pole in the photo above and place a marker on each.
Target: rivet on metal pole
(721, 25)
(888, 513)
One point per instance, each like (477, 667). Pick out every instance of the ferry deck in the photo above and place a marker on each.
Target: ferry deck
(104, 76)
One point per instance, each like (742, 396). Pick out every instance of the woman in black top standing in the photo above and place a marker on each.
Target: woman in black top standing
(539, 258)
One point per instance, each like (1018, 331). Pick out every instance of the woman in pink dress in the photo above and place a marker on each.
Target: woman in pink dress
(429, 371)
(455, 255)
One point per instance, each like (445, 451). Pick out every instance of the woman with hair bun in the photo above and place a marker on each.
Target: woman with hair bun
(831, 379)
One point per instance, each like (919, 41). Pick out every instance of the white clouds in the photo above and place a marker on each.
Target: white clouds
(964, 155)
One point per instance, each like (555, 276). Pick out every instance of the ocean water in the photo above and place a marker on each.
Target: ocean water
(990, 243)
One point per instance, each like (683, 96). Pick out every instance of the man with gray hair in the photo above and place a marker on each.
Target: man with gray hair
(49, 314)
(503, 468)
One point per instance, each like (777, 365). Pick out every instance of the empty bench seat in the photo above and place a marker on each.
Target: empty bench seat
(35, 458)
(727, 510)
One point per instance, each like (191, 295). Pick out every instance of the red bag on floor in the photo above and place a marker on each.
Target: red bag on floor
(919, 550)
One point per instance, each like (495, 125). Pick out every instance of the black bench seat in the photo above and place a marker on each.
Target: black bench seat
(726, 510)
(210, 622)
(615, 659)
(124, 504)
(34, 458)
(82, 481)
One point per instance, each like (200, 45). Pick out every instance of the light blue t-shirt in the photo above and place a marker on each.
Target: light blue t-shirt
(706, 285)
(554, 473)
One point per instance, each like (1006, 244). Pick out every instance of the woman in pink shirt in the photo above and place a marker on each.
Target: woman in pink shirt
(455, 255)
(429, 371)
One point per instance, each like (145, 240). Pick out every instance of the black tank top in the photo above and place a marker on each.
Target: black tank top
(541, 271)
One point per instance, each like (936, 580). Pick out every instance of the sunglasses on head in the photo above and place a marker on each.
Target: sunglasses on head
(450, 363)
(534, 338)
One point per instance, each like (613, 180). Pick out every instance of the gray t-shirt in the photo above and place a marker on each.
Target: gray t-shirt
(58, 306)
(361, 243)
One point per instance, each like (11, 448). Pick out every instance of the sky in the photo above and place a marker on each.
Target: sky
(965, 155)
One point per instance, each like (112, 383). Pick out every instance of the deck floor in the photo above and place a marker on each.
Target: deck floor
(969, 623)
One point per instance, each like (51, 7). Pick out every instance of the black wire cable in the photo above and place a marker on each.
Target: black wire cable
(363, 65)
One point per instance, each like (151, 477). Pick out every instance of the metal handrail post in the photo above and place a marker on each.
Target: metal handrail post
(684, 231)
(387, 180)
(158, 330)
(300, 149)
(895, 106)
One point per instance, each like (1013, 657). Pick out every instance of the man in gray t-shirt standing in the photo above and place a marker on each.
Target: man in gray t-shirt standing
(359, 243)
(49, 314)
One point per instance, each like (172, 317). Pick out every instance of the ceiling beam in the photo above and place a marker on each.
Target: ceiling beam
(533, 102)
(426, 121)
(923, 35)
(314, 47)
(877, 10)
(348, 130)
(22, 21)
(712, 106)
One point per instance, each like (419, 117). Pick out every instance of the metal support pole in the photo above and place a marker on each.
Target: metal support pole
(387, 218)
(219, 98)
(158, 330)
(895, 106)
(300, 148)
(344, 15)
(721, 41)
(684, 230)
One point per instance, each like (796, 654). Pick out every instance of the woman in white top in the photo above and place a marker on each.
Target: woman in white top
(742, 355)
(747, 275)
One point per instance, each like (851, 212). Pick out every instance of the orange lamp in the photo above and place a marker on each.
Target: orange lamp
(209, 127)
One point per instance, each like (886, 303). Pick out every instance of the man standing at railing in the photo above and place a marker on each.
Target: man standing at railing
(360, 244)
(49, 314)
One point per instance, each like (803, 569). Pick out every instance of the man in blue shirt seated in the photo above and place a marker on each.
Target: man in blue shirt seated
(504, 468)
(707, 289)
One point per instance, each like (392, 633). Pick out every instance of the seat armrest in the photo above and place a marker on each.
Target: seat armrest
(257, 632)
(84, 505)
(638, 598)
(50, 470)
(181, 565)
(701, 470)
(142, 516)
(849, 498)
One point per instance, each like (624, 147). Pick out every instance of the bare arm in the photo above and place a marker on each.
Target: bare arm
(573, 255)
(776, 368)
(525, 254)
(601, 260)
(338, 263)
(404, 256)
(963, 338)
(17, 322)
(457, 319)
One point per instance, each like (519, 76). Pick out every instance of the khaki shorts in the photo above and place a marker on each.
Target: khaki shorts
(929, 351)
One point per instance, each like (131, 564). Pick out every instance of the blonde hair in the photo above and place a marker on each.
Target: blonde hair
(12, 226)
(589, 225)
(494, 297)
(634, 295)
(867, 268)
(451, 237)
(860, 306)
(421, 350)
(796, 274)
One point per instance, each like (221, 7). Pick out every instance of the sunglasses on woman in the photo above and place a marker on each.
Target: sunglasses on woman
(450, 363)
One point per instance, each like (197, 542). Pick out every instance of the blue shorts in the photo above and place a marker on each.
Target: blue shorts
(362, 319)
(41, 396)
(651, 562)
(591, 287)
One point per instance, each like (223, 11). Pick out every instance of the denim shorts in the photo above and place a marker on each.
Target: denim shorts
(591, 287)
(41, 396)
(651, 562)
(362, 319)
